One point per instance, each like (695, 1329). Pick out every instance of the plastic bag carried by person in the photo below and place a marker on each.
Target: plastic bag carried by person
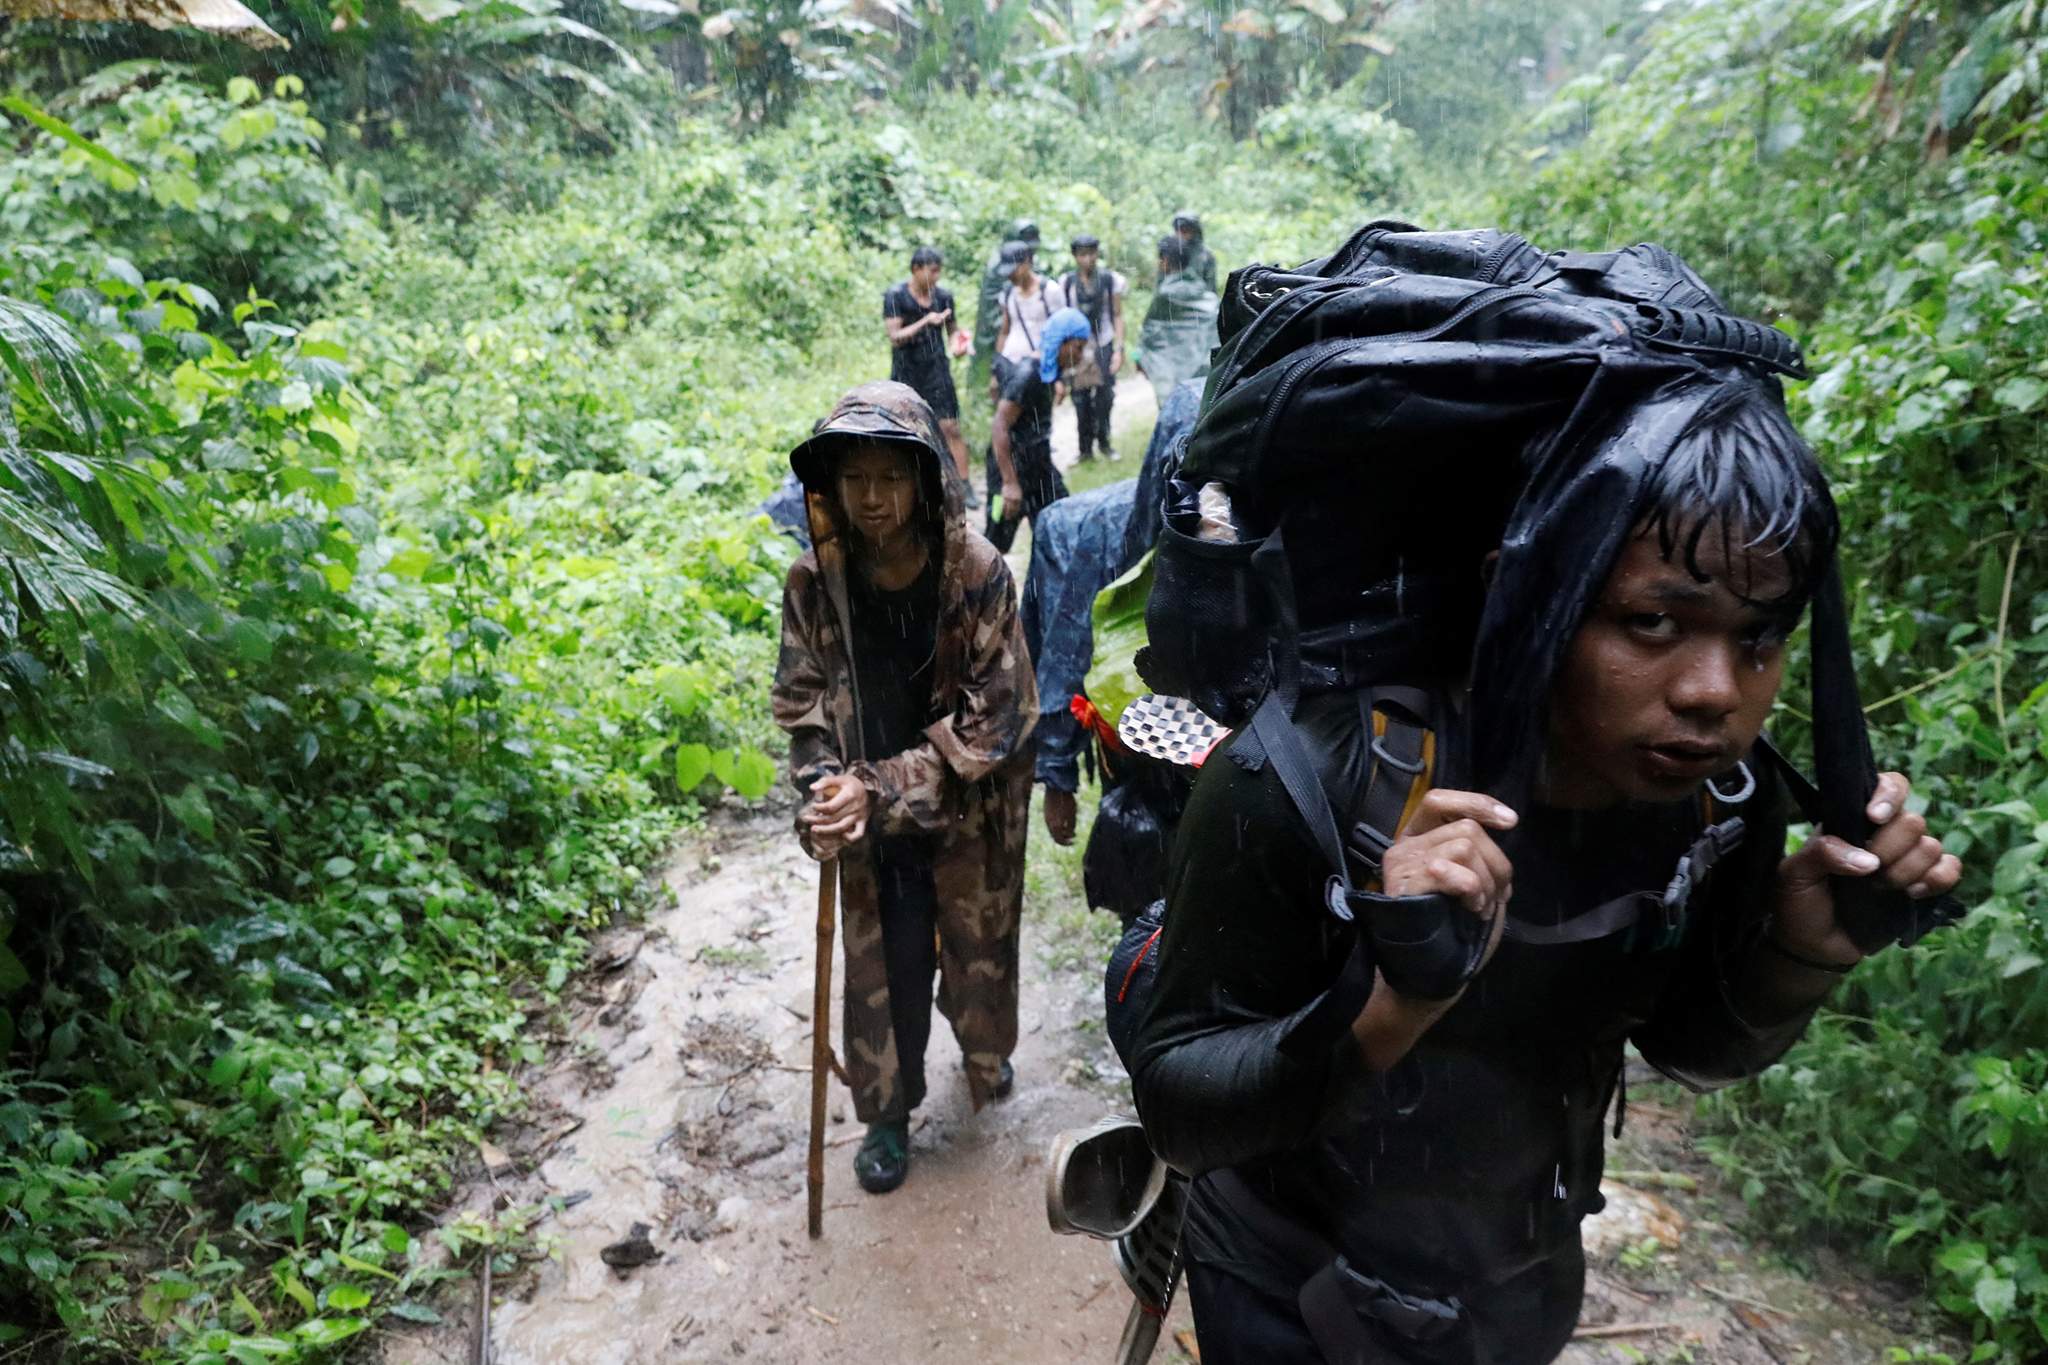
(1124, 865)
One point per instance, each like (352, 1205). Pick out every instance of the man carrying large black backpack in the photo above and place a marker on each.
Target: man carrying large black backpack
(1499, 800)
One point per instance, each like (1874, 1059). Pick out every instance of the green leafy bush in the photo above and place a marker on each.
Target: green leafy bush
(1361, 147)
(350, 740)
(226, 188)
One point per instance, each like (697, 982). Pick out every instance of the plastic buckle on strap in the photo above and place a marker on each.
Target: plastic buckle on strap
(1370, 844)
(1379, 751)
(1335, 900)
(1677, 895)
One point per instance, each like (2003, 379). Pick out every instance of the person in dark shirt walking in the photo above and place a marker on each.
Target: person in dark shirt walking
(1405, 1183)
(918, 318)
(1022, 478)
(1097, 293)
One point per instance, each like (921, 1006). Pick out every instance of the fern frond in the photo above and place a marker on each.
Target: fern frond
(39, 351)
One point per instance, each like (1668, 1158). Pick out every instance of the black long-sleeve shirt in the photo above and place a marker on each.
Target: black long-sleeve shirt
(1471, 1162)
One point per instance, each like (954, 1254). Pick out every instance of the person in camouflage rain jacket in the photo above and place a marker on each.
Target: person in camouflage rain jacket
(908, 696)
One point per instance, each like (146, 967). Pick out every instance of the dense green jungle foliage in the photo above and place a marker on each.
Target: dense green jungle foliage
(382, 587)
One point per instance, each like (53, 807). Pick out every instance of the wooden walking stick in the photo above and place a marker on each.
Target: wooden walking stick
(821, 1039)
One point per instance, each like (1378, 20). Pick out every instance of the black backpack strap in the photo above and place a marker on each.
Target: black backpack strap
(1664, 913)
(1908, 921)
(1609, 917)
(1281, 741)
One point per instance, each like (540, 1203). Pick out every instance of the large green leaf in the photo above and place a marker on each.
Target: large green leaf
(693, 765)
(57, 128)
(13, 976)
(753, 774)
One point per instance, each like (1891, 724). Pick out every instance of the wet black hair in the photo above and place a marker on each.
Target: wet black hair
(1742, 481)
(1187, 218)
(927, 255)
(1015, 253)
(1087, 241)
(1174, 252)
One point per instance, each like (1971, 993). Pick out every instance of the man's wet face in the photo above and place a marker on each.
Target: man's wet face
(1085, 259)
(878, 491)
(1021, 272)
(1669, 680)
(925, 276)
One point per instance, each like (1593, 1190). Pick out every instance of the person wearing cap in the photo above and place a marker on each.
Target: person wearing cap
(1025, 305)
(1020, 468)
(1099, 295)
(994, 276)
(916, 315)
(907, 693)
(1202, 261)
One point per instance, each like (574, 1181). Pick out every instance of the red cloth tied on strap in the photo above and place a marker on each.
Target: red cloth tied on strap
(1095, 723)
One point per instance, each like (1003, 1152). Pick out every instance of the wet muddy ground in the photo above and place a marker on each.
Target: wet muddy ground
(668, 1132)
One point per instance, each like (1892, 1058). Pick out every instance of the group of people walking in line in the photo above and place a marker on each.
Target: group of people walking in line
(1409, 1138)
(1025, 321)
(905, 681)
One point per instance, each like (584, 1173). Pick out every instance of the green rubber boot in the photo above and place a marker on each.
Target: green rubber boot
(884, 1156)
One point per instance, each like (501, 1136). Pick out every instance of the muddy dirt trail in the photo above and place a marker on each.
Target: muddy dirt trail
(689, 1076)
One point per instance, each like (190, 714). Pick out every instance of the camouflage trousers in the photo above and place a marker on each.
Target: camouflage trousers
(978, 885)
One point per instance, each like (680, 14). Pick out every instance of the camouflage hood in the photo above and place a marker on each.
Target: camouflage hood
(890, 413)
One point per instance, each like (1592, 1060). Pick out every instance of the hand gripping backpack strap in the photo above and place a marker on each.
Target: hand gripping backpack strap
(1426, 946)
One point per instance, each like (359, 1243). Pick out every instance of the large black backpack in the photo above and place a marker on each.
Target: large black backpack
(1383, 408)
(1381, 420)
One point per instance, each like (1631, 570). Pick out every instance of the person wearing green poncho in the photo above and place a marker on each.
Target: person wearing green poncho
(1188, 227)
(1180, 327)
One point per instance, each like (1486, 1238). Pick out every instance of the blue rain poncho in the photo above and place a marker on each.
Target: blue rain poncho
(1079, 546)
